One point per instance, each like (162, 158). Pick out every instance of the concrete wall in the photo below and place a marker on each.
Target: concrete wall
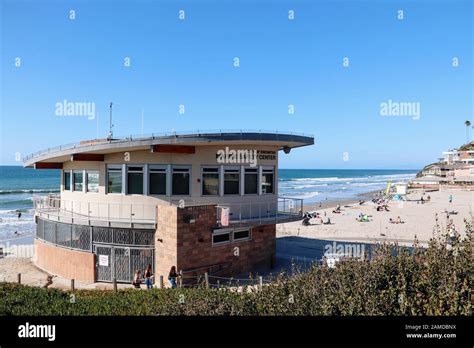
(66, 263)
(205, 155)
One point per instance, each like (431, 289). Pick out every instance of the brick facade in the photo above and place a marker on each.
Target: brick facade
(184, 240)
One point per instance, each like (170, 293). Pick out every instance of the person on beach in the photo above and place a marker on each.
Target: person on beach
(172, 277)
(148, 277)
(450, 198)
(136, 279)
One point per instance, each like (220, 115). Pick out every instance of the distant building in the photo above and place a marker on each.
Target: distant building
(203, 202)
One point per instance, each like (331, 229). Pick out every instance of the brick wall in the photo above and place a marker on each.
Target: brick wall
(166, 240)
(195, 247)
(66, 263)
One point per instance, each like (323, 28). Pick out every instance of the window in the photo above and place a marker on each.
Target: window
(78, 181)
(221, 237)
(241, 235)
(267, 181)
(67, 180)
(180, 182)
(157, 181)
(225, 236)
(135, 180)
(114, 180)
(231, 181)
(93, 182)
(251, 181)
(210, 181)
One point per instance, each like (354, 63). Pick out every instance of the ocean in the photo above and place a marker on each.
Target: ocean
(18, 185)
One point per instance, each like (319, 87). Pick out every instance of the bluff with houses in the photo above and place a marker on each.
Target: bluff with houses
(454, 170)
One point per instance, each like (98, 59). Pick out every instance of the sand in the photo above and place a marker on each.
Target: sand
(419, 219)
(303, 244)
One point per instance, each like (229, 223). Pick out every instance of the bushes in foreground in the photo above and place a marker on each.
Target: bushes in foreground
(397, 281)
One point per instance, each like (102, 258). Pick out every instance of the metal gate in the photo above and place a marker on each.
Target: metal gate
(121, 262)
(104, 269)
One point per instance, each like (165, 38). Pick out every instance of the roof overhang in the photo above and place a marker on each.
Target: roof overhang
(95, 149)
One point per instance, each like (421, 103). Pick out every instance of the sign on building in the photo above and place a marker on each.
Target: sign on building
(225, 216)
(104, 260)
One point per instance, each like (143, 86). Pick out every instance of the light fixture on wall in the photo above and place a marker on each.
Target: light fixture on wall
(189, 219)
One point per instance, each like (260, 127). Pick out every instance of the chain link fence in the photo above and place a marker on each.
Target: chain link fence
(82, 237)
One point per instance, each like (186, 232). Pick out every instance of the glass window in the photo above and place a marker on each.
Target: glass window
(221, 238)
(210, 181)
(114, 180)
(180, 182)
(267, 181)
(67, 180)
(231, 182)
(241, 235)
(78, 181)
(135, 180)
(251, 181)
(157, 181)
(93, 182)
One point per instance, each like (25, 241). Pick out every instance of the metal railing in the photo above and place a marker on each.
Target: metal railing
(156, 135)
(285, 209)
(89, 213)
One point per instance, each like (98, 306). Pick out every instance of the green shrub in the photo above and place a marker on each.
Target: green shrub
(396, 281)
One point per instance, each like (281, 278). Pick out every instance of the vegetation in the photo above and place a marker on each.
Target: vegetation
(397, 281)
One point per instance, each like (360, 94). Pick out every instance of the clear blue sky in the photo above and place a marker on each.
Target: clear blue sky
(283, 62)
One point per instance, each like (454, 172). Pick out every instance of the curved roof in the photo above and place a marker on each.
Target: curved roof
(105, 146)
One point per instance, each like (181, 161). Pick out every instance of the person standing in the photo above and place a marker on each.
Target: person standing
(172, 277)
(450, 198)
(148, 277)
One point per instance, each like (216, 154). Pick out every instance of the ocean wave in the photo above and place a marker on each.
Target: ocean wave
(299, 187)
(9, 192)
(306, 195)
(28, 201)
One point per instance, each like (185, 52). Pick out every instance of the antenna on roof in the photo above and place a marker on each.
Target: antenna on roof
(110, 123)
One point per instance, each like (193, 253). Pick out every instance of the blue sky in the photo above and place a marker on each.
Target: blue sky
(190, 62)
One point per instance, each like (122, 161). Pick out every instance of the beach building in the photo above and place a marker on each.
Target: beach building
(203, 202)
(463, 155)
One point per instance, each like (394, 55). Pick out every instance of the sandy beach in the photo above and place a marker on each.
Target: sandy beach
(419, 219)
(296, 242)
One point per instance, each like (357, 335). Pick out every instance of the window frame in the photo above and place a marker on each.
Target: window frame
(245, 180)
(227, 231)
(164, 169)
(263, 170)
(116, 167)
(189, 170)
(240, 240)
(70, 180)
(127, 185)
(218, 172)
(236, 170)
(87, 180)
(74, 172)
